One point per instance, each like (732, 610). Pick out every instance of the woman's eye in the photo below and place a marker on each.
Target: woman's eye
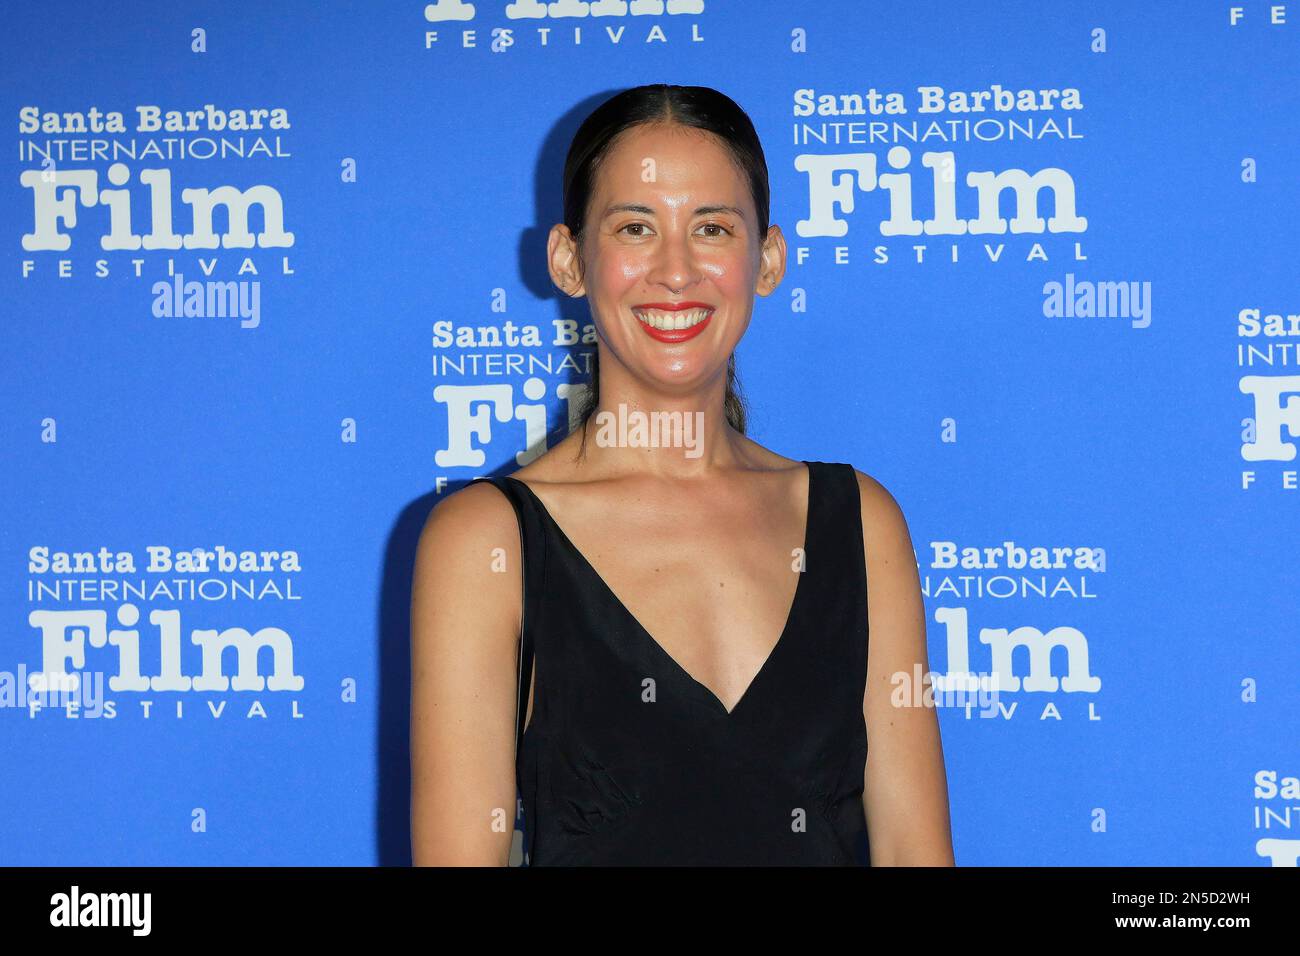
(723, 230)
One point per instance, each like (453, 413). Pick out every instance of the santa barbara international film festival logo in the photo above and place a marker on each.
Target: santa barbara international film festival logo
(560, 24)
(886, 158)
(97, 178)
(1268, 342)
(107, 637)
(1007, 610)
(920, 131)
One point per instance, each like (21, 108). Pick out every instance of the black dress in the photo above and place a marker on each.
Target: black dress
(628, 760)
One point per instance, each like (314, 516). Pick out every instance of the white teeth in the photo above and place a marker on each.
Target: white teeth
(670, 321)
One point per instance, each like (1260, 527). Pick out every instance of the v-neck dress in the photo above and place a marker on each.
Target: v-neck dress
(630, 761)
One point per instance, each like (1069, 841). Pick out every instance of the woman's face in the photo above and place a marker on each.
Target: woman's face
(671, 220)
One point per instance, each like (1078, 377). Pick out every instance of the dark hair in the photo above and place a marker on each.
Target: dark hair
(693, 106)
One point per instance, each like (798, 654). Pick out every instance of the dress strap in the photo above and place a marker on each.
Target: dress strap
(838, 522)
(532, 549)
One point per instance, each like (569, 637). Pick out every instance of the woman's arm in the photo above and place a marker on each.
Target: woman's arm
(465, 615)
(905, 793)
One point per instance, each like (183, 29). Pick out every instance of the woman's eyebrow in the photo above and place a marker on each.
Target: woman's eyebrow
(647, 211)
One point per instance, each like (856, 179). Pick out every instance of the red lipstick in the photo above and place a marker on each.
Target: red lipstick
(673, 336)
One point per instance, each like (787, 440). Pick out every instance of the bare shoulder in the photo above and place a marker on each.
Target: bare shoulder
(879, 504)
(895, 607)
(884, 528)
(474, 516)
(467, 537)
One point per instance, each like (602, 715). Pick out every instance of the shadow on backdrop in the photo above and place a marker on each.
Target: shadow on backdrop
(392, 746)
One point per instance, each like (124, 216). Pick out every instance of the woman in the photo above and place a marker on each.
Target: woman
(704, 687)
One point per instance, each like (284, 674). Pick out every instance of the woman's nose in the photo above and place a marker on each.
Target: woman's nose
(674, 264)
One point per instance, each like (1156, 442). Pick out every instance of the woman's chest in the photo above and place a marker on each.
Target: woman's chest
(715, 600)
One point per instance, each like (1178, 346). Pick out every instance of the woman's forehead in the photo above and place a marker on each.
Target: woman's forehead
(667, 139)
(672, 175)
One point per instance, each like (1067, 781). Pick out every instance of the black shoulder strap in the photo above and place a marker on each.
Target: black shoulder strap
(841, 510)
(851, 501)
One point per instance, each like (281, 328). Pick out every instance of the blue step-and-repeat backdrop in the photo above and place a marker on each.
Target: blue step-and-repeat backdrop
(274, 283)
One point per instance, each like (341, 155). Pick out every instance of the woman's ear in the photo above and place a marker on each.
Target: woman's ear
(563, 261)
(771, 264)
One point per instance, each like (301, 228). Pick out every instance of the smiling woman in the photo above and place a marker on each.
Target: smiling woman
(676, 659)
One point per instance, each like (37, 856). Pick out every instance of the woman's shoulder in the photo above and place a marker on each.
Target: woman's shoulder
(884, 528)
(885, 531)
(875, 496)
(467, 519)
